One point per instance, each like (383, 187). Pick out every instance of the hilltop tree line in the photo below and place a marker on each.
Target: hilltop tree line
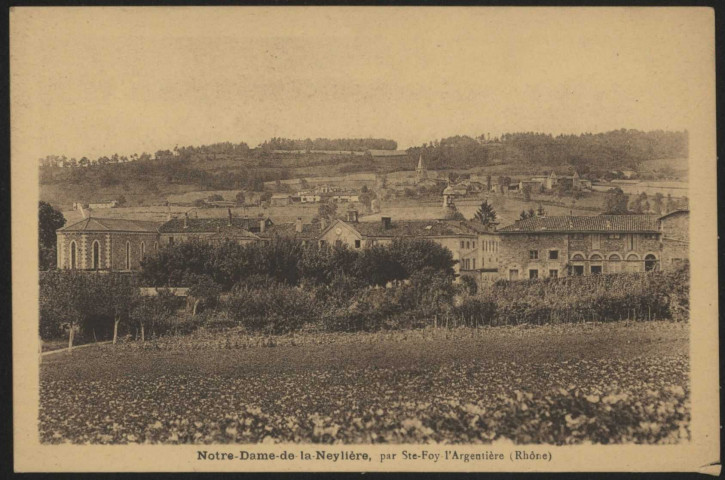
(166, 170)
(601, 152)
(336, 144)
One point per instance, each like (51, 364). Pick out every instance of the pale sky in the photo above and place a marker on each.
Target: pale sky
(98, 81)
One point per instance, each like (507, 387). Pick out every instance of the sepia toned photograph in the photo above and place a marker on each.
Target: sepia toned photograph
(288, 235)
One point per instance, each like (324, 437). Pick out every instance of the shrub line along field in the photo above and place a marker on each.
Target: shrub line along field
(558, 384)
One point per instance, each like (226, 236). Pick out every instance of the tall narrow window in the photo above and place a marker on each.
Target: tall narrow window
(596, 241)
(73, 260)
(96, 256)
(143, 250)
(128, 255)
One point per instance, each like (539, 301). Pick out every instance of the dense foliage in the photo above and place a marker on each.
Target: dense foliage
(335, 144)
(93, 303)
(625, 296)
(600, 152)
(290, 262)
(49, 220)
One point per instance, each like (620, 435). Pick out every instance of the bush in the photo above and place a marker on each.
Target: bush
(275, 309)
(626, 296)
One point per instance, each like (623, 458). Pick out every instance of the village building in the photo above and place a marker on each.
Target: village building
(551, 181)
(309, 196)
(461, 240)
(177, 230)
(280, 199)
(579, 245)
(106, 244)
(343, 197)
(101, 206)
(535, 186)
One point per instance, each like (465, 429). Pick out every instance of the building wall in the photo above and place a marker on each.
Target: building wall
(581, 251)
(676, 226)
(111, 249)
(489, 250)
(347, 236)
(675, 240)
(515, 255)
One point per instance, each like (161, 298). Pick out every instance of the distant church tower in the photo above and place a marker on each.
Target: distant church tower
(420, 173)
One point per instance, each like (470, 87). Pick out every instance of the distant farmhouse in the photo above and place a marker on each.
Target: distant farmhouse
(539, 183)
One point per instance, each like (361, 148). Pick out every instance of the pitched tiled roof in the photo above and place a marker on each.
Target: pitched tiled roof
(232, 233)
(93, 224)
(209, 225)
(309, 231)
(675, 212)
(598, 223)
(413, 228)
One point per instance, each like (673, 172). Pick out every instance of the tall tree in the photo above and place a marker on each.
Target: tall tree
(485, 214)
(616, 202)
(49, 220)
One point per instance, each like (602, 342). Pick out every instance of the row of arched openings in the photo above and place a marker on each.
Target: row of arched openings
(96, 254)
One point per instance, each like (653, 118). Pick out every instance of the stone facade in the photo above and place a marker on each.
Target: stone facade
(539, 255)
(105, 244)
(117, 251)
(675, 239)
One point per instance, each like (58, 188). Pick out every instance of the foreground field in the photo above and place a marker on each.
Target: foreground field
(602, 383)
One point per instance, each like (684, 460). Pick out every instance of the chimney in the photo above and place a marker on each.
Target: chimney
(83, 212)
(323, 223)
(298, 225)
(229, 212)
(186, 220)
(262, 225)
(386, 223)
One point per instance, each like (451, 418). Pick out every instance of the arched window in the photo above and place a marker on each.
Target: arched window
(633, 264)
(156, 246)
(595, 267)
(96, 255)
(73, 256)
(578, 268)
(128, 255)
(143, 250)
(650, 263)
(615, 263)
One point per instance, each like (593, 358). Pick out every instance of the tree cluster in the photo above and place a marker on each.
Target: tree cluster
(98, 305)
(327, 144)
(290, 262)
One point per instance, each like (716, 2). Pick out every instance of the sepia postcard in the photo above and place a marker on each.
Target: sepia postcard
(364, 239)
